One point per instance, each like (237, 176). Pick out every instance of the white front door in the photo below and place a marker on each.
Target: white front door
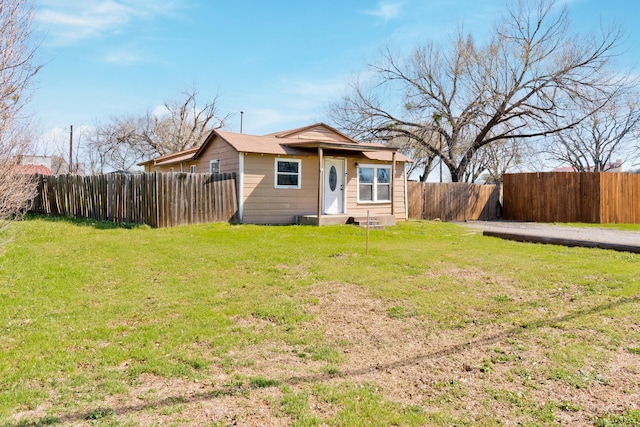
(333, 198)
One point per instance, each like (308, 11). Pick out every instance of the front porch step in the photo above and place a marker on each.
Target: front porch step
(373, 223)
(381, 220)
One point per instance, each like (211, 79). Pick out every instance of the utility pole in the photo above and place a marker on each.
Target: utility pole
(71, 149)
(241, 117)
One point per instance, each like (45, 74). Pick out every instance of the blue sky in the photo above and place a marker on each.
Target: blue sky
(279, 61)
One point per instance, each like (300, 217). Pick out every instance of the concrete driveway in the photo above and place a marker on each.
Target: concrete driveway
(628, 241)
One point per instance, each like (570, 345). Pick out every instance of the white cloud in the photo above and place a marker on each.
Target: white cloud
(51, 142)
(160, 111)
(318, 91)
(386, 11)
(124, 57)
(56, 140)
(266, 120)
(67, 22)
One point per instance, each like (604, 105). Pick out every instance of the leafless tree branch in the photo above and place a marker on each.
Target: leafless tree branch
(477, 94)
(127, 140)
(16, 75)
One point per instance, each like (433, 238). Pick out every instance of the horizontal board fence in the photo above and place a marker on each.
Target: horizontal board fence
(455, 201)
(591, 197)
(156, 199)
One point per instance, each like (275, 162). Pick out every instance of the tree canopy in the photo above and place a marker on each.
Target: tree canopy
(17, 70)
(126, 140)
(456, 98)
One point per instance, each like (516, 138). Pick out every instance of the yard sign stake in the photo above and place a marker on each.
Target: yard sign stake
(366, 251)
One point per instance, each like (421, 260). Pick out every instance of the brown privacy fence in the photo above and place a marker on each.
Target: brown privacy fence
(592, 197)
(454, 201)
(157, 199)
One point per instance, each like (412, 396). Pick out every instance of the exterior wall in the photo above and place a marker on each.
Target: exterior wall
(356, 208)
(153, 168)
(265, 204)
(217, 150)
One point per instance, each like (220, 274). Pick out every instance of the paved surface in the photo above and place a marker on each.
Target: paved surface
(559, 234)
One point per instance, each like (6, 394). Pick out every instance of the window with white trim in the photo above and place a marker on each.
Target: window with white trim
(374, 183)
(192, 168)
(214, 166)
(287, 173)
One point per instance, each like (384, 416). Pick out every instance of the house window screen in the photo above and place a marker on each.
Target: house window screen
(365, 184)
(374, 183)
(383, 184)
(287, 173)
(214, 166)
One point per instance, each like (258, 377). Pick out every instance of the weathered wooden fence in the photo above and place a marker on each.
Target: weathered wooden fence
(452, 201)
(592, 197)
(157, 199)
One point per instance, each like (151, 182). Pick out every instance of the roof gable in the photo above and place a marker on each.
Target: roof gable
(315, 132)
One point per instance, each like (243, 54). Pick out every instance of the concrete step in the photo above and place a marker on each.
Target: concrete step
(373, 223)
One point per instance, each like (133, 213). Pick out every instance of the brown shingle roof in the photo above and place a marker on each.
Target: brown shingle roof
(386, 156)
(259, 144)
(285, 143)
(167, 159)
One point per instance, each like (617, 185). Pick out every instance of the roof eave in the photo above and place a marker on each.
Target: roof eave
(339, 146)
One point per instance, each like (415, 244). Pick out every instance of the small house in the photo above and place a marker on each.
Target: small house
(310, 175)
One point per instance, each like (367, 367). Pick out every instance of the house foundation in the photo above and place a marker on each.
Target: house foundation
(375, 220)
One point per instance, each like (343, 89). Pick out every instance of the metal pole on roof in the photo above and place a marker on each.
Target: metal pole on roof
(241, 116)
(70, 168)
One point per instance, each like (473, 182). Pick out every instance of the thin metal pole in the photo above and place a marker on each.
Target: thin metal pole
(367, 244)
(70, 149)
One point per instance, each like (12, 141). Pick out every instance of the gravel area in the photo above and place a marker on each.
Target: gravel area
(554, 231)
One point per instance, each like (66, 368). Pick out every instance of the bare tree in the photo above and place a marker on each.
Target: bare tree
(119, 144)
(127, 140)
(423, 160)
(16, 74)
(504, 156)
(186, 124)
(606, 135)
(475, 94)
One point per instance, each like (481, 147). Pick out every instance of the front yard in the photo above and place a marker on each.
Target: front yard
(222, 325)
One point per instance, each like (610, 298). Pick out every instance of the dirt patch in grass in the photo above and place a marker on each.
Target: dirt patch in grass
(479, 372)
(486, 371)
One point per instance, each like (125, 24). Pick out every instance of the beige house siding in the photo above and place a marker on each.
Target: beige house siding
(165, 168)
(219, 149)
(320, 134)
(265, 204)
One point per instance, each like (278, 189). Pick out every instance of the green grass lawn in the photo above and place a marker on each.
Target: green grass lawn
(627, 227)
(296, 325)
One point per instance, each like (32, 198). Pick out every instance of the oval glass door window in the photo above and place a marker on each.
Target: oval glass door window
(333, 178)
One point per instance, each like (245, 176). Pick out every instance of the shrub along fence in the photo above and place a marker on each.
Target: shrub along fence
(156, 199)
(453, 201)
(592, 197)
